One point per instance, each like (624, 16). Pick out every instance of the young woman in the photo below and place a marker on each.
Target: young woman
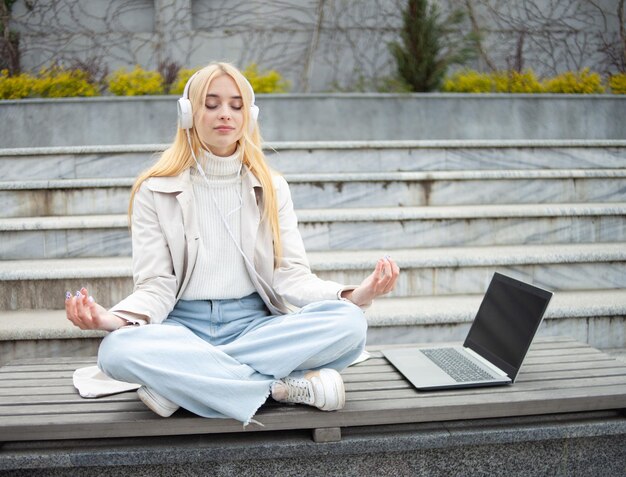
(225, 310)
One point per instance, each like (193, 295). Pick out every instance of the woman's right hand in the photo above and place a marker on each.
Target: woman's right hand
(85, 313)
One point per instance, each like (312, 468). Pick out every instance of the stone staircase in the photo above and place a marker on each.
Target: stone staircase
(450, 212)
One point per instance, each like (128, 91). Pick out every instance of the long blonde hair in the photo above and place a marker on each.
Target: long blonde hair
(176, 158)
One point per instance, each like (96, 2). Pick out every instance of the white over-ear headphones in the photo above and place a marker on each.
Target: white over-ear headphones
(185, 111)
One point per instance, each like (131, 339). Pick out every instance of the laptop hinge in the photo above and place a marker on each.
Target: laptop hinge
(485, 362)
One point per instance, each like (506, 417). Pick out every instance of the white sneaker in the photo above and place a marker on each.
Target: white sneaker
(160, 405)
(322, 389)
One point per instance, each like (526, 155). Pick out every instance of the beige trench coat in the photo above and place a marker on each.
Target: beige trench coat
(165, 240)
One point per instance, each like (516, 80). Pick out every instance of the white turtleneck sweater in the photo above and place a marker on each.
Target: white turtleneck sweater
(220, 271)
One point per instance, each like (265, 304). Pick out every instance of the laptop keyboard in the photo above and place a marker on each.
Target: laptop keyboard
(456, 365)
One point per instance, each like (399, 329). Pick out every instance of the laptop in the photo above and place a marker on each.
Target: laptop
(494, 349)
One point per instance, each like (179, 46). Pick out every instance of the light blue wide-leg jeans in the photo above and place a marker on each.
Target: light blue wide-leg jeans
(218, 358)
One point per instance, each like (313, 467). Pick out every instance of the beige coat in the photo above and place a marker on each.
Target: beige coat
(165, 238)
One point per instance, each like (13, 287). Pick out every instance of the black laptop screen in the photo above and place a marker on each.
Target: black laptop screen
(507, 321)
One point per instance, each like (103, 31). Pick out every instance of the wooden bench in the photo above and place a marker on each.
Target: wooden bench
(39, 402)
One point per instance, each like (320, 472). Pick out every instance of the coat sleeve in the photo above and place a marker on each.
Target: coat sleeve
(154, 294)
(293, 279)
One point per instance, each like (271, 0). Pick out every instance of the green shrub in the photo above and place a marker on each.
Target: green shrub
(426, 48)
(135, 83)
(583, 82)
(61, 83)
(16, 87)
(468, 81)
(268, 81)
(617, 83)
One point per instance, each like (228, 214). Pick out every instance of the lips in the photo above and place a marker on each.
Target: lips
(224, 128)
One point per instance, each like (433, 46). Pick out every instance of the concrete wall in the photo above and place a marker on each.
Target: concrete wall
(105, 120)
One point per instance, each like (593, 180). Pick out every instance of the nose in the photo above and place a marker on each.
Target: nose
(224, 113)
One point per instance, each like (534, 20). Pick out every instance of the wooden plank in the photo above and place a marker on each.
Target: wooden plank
(11, 368)
(47, 398)
(30, 390)
(34, 382)
(66, 409)
(590, 365)
(374, 385)
(388, 376)
(35, 375)
(576, 373)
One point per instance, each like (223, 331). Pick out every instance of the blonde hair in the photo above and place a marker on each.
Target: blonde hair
(176, 158)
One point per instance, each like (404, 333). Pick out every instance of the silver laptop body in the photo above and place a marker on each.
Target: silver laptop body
(494, 349)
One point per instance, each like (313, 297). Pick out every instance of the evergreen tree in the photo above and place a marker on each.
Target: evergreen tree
(428, 45)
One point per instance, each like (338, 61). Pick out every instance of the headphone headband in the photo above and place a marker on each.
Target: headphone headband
(188, 84)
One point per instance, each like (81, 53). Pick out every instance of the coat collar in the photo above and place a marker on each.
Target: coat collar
(170, 184)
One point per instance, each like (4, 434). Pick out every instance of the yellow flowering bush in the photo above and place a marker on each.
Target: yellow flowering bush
(16, 87)
(583, 82)
(468, 81)
(516, 82)
(135, 83)
(60, 83)
(50, 83)
(269, 81)
(617, 83)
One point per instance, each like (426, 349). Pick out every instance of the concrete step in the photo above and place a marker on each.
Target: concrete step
(32, 198)
(347, 229)
(596, 317)
(36, 284)
(78, 162)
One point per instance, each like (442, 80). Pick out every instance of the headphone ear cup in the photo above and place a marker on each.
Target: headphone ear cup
(185, 114)
(254, 116)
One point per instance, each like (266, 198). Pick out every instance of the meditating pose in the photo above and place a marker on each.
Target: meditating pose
(225, 310)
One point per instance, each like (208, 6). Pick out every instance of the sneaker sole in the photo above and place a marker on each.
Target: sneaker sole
(155, 403)
(338, 389)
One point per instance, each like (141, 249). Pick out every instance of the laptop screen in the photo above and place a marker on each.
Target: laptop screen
(506, 322)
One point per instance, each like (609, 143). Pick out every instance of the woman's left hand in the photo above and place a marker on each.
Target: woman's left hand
(380, 282)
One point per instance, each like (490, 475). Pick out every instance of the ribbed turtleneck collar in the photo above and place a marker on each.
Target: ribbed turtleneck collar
(221, 168)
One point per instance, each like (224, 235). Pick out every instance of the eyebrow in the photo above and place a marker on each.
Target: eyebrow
(218, 96)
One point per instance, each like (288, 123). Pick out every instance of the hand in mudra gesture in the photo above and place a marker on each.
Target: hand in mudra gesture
(380, 282)
(84, 312)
